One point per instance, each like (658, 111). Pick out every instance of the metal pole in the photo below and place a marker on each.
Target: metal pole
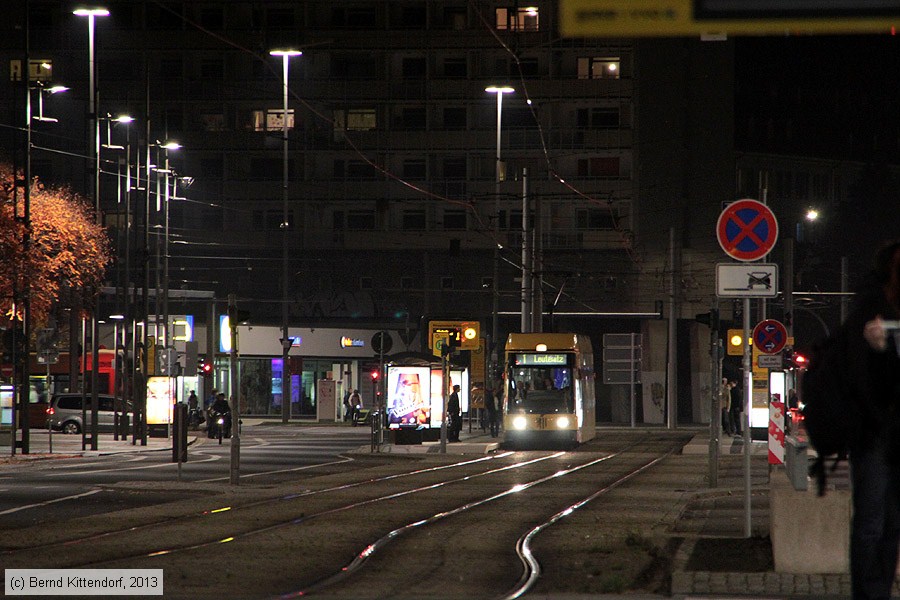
(715, 421)
(495, 305)
(527, 290)
(445, 395)
(234, 472)
(671, 391)
(285, 274)
(745, 417)
(95, 155)
(845, 287)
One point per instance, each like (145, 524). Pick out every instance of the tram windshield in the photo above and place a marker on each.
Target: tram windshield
(539, 387)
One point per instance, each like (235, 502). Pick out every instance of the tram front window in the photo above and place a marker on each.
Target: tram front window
(540, 390)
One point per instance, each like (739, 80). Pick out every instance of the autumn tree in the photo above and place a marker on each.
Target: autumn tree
(68, 249)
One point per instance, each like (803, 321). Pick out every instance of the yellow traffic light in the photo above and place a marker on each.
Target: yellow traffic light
(735, 342)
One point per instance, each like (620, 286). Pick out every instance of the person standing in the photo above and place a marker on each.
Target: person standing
(725, 402)
(873, 371)
(355, 406)
(490, 405)
(455, 416)
(737, 408)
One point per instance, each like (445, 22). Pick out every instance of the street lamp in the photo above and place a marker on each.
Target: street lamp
(286, 341)
(162, 202)
(56, 89)
(92, 14)
(499, 91)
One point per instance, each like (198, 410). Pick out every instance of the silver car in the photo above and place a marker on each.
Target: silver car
(65, 414)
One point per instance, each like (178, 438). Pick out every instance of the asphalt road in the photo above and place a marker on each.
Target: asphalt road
(52, 491)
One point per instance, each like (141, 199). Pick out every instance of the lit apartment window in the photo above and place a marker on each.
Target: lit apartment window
(604, 67)
(270, 119)
(355, 119)
(517, 19)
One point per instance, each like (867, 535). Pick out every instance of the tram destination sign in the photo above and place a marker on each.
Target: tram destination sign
(541, 360)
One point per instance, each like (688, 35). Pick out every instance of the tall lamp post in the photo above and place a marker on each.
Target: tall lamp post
(94, 154)
(499, 91)
(286, 341)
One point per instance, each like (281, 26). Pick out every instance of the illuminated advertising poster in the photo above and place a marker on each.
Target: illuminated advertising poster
(159, 401)
(7, 398)
(460, 378)
(407, 397)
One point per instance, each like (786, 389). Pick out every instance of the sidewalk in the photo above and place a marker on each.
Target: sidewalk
(43, 446)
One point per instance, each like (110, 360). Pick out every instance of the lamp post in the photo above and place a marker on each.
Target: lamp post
(94, 155)
(162, 202)
(499, 91)
(286, 341)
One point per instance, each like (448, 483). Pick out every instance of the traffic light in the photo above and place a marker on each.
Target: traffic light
(375, 375)
(734, 343)
(204, 368)
(794, 360)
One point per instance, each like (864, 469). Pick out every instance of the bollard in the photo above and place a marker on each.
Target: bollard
(179, 433)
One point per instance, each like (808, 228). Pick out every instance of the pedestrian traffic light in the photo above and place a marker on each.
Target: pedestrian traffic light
(734, 343)
(710, 319)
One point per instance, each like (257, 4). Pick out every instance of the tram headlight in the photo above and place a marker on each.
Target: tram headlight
(562, 422)
(520, 423)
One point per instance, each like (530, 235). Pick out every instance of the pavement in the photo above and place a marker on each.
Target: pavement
(708, 521)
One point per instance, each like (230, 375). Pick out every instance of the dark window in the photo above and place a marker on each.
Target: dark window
(69, 402)
(594, 218)
(455, 17)
(529, 67)
(414, 168)
(455, 167)
(447, 283)
(265, 168)
(361, 220)
(454, 219)
(213, 218)
(212, 68)
(269, 219)
(355, 17)
(456, 67)
(517, 117)
(354, 66)
(164, 15)
(455, 118)
(360, 169)
(599, 166)
(413, 118)
(174, 120)
(213, 168)
(414, 68)
(406, 283)
(280, 18)
(105, 403)
(413, 220)
(338, 222)
(40, 16)
(171, 68)
(212, 17)
(365, 283)
(413, 16)
(598, 118)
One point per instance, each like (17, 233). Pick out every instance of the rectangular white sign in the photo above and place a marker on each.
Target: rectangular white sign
(746, 280)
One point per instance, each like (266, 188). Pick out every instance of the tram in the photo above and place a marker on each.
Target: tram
(548, 389)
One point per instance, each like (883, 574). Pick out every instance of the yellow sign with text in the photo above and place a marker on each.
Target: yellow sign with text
(466, 334)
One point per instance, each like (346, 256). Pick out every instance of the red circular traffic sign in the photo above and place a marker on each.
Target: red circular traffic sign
(747, 230)
(769, 336)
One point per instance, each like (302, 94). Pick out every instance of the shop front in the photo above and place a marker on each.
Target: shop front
(343, 356)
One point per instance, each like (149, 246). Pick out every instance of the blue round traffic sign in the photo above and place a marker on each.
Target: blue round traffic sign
(769, 336)
(747, 230)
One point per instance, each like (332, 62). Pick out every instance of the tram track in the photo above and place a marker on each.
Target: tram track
(225, 533)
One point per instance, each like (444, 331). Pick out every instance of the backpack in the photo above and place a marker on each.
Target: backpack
(827, 415)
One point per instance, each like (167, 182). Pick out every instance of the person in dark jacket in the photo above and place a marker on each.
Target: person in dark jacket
(873, 371)
(454, 412)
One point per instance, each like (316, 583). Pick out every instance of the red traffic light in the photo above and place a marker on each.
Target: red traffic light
(375, 375)
(800, 360)
(204, 368)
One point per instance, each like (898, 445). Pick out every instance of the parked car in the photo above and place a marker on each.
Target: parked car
(64, 413)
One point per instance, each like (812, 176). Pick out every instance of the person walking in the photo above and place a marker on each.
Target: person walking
(455, 415)
(873, 373)
(355, 406)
